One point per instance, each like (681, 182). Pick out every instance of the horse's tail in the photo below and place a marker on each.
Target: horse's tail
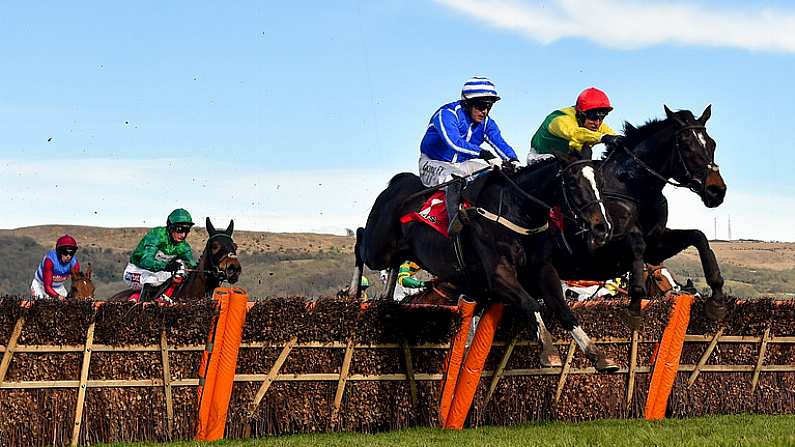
(358, 252)
(358, 249)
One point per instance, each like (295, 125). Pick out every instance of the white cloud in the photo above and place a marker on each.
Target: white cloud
(628, 24)
(118, 193)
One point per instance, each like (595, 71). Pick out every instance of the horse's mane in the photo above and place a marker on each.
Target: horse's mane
(540, 161)
(634, 135)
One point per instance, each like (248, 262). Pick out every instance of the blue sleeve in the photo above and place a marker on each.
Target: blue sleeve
(494, 138)
(446, 121)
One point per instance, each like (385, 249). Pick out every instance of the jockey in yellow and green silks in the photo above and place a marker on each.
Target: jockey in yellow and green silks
(569, 133)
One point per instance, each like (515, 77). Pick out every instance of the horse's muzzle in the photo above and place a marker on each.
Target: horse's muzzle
(231, 269)
(714, 190)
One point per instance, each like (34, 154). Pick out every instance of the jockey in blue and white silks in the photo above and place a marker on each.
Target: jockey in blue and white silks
(451, 145)
(456, 131)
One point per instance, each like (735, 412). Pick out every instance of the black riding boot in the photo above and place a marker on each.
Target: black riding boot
(147, 292)
(453, 202)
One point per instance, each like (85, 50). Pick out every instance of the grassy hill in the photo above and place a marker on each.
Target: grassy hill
(316, 264)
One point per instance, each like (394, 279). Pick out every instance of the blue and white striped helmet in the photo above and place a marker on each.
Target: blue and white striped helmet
(479, 87)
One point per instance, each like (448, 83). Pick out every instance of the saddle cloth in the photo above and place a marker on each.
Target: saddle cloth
(433, 212)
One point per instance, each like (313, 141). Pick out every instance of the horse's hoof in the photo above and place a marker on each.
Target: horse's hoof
(551, 360)
(606, 365)
(634, 320)
(714, 311)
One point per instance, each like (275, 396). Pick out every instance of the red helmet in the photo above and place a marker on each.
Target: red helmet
(66, 241)
(592, 98)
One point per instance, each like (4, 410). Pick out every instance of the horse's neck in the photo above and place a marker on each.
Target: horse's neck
(198, 283)
(538, 181)
(624, 174)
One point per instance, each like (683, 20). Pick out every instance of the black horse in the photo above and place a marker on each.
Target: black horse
(505, 239)
(218, 263)
(634, 175)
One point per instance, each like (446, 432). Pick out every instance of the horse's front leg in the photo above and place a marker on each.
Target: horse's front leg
(505, 287)
(672, 242)
(546, 283)
(637, 289)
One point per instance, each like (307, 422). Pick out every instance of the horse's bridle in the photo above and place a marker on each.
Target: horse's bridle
(692, 181)
(215, 270)
(575, 214)
(578, 212)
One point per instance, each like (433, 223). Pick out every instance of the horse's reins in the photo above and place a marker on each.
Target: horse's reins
(692, 181)
(572, 216)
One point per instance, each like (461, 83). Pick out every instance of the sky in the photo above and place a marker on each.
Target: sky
(293, 116)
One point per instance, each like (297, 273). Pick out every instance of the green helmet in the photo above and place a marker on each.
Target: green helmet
(365, 282)
(179, 216)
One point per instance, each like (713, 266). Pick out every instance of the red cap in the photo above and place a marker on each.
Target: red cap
(592, 98)
(66, 241)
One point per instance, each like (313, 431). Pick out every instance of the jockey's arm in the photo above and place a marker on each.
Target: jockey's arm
(567, 128)
(47, 279)
(186, 254)
(148, 256)
(495, 140)
(446, 122)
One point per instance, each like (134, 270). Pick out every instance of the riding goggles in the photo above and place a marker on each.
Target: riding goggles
(67, 251)
(181, 229)
(481, 105)
(596, 114)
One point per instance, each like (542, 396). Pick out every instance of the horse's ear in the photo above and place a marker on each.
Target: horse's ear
(87, 272)
(74, 274)
(705, 116)
(210, 228)
(671, 115)
(230, 228)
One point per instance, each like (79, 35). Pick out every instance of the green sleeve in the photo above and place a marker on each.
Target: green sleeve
(186, 254)
(150, 245)
(411, 283)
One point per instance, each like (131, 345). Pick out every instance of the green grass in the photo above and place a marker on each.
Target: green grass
(731, 430)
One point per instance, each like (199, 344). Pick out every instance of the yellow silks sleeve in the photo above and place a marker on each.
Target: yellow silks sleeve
(566, 127)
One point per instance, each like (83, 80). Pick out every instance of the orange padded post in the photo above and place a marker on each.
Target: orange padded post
(469, 378)
(217, 374)
(452, 364)
(667, 359)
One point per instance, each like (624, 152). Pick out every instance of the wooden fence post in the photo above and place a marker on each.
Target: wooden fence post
(761, 360)
(167, 382)
(81, 391)
(344, 371)
(12, 345)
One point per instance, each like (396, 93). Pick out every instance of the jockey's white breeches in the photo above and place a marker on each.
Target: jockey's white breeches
(135, 277)
(37, 289)
(434, 172)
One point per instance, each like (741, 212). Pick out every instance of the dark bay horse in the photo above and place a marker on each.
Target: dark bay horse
(505, 239)
(218, 263)
(634, 175)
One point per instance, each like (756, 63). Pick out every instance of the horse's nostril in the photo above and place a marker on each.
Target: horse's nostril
(714, 190)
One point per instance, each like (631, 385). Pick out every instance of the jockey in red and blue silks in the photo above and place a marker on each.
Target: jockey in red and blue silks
(451, 145)
(54, 269)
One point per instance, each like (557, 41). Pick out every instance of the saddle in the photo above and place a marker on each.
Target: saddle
(433, 211)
